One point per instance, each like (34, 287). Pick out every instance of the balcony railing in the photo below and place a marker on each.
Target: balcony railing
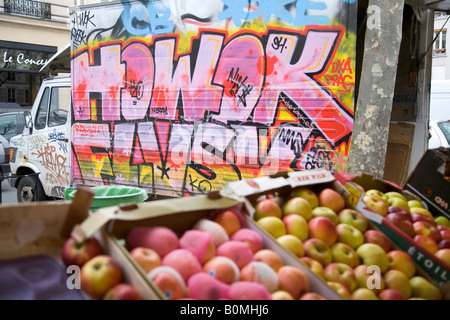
(29, 8)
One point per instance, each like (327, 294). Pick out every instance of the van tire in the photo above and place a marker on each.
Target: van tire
(30, 189)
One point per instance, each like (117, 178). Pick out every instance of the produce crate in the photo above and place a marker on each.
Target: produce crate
(280, 186)
(437, 269)
(430, 181)
(179, 215)
(35, 232)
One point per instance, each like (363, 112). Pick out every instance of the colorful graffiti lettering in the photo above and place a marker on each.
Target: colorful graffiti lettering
(235, 105)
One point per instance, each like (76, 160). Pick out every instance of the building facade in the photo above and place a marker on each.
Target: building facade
(441, 56)
(30, 33)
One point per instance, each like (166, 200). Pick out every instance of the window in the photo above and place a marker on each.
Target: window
(41, 114)
(438, 14)
(440, 44)
(59, 106)
(8, 124)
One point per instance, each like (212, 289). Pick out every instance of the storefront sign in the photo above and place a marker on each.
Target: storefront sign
(20, 60)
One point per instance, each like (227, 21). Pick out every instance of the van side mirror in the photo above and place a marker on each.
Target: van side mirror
(28, 120)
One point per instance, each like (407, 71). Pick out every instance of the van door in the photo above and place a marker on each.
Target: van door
(49, 143)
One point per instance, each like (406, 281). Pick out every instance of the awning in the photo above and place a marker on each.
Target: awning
(59, 62)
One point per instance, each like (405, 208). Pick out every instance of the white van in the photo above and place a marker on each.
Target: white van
(439, 116)
(40, 156)
(440, 100)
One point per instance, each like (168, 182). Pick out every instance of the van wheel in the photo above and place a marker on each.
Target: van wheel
(30, 189)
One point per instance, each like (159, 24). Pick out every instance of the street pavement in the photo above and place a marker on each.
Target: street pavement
(8, 193)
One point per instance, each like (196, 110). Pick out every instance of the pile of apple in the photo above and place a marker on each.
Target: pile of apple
(218, 257)
(414, 220)
(339, 246)
(101, 276)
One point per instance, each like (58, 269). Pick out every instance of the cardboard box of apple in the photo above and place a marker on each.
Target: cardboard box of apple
(208, 249)
(407, 222)
(101, 275)
(340, 245)
(94, 263)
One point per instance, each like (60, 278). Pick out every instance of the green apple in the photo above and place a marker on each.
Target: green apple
(423, 211)
(307, 194)
(297, 205)
(273, 225)
(326, 212)
(369, 278)
(292, 244)
(353, 218)
(443, 220)
(415, 203)
(340, 289)
(373, 254)
(349, 235)
(395, 194)
(364, 294)
(378, 194)
(318, 250)
(342, 273)
(422, 288)
(297, 226)
(396, 279)
(375, 204)
(343, 253)
(399, 202)
(314, 265)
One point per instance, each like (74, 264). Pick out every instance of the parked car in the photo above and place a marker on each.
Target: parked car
(11, 124)
(4, 158)
(439, 134)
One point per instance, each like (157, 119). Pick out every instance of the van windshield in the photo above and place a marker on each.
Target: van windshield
(445, 128)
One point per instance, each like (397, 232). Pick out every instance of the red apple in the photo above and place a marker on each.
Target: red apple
(445, 234)
(332, 199)
(444, 244)
(400, 260)
(401, 223)
(322, 228)
(100, 274)
(401, 211)
(444, 255)
(147, 258)
(391, 294)
(416, 216)
(441, 227)
(377, 237)
(266, 208)
(426, 242)
(74, 253)
(122, 291)
(427, 229)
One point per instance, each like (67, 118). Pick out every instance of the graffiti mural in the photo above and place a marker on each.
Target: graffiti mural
(182, 97)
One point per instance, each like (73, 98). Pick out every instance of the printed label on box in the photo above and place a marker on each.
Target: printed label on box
(301, 178)
(248, 187)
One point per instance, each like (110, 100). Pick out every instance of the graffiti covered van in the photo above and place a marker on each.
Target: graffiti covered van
(183, 96)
